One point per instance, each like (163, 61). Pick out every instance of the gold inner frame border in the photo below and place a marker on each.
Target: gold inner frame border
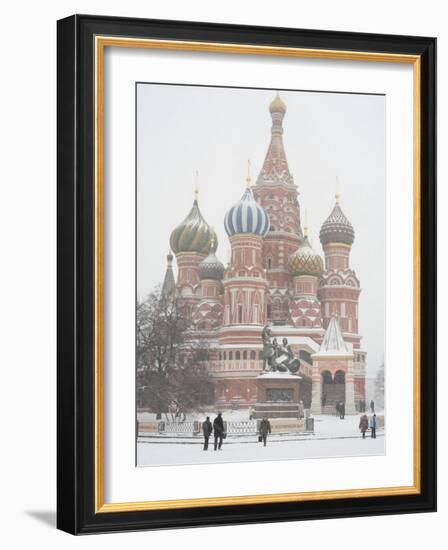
(100, 43)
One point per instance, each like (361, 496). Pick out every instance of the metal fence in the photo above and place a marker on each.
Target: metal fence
(178, 427)
(194, 428)
(245, 427)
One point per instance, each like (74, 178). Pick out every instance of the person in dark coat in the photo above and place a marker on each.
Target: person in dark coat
(265, 428)
(373, 426)
(342, 410)
(338, 412)
(218, 431)
(364, 425)
(372, 406)
(207, 429)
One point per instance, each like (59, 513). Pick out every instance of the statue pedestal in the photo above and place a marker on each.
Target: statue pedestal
(278, 395)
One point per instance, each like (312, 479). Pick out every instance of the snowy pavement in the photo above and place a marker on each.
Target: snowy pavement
(333, 437)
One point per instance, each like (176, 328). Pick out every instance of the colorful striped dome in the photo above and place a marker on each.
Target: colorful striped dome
(193, 234)
(247, 216)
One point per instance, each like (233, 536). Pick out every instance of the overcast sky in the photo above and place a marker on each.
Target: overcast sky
(181, 129)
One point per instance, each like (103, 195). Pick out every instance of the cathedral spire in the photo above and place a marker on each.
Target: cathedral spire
(275, 167)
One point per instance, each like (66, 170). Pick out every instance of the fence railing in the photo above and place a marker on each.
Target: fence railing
(243, 427)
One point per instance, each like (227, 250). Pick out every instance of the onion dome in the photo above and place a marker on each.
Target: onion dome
(247, 216)
(337, 228)
(211, 267)
(193, 234)
(277, 105)
(305, 261)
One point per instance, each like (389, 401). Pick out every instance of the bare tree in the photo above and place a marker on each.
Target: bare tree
(379, 387)
(170, 359)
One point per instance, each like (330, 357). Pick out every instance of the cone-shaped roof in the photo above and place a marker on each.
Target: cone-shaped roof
(333, 342)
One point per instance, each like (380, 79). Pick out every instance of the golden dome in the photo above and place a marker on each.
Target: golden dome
(277, 105)
(305, 261)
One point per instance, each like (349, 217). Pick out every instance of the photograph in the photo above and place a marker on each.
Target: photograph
(260, 274)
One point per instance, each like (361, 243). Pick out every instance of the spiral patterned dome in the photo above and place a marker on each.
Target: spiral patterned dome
(193, 234)
(337, 228)
(305, 261)
(246, 216)
(277, 105)
(211, 267)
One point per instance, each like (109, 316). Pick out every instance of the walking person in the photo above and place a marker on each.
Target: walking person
(373, 426)
(265, 428)
(338, 412)
(364, 425)
(207, 429)
(218, 431)
(342, 410)
(372, 406)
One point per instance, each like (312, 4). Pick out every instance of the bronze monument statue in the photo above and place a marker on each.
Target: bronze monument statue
(278, 357)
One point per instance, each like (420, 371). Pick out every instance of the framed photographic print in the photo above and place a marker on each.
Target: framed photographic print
(246, 274)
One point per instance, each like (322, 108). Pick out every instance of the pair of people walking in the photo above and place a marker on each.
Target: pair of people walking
(365, 424)
(218, 431)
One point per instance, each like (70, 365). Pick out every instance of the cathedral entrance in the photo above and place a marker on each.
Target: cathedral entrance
(333, 391)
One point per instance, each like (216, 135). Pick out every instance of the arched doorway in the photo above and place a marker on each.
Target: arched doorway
(333, 390)
(327, 383)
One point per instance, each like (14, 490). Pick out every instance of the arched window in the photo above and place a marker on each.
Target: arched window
(237, 355)
(230, 355)
(269, 263)
(244, 355)
(326, 377)
(253, 355)
(240, 314)
(225, 355)
(339, 377)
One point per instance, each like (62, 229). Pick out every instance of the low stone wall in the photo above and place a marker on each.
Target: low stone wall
(287, 425)
(151, 426)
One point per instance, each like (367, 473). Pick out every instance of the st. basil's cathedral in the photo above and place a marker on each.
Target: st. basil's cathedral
(274, 277)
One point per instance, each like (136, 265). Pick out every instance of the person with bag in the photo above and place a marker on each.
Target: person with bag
(218, 431)
(265, 428)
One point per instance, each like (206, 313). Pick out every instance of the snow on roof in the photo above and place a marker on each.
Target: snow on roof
(276, 374)
(279, 331)
(333, 342)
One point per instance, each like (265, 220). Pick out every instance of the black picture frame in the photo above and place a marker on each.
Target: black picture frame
(76, 271)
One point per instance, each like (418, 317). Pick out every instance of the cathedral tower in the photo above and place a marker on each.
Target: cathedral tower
(245, 284)
(339, 288)
(276, 193)
(191, 242)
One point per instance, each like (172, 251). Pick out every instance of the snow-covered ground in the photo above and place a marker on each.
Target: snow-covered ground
(333, 437)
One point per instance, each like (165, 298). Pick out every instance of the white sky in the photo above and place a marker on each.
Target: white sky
(181, 129)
